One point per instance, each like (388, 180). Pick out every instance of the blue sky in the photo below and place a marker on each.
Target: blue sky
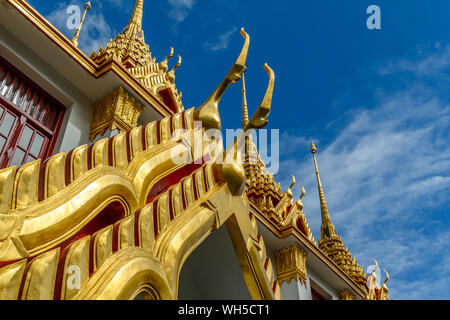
(376, 102)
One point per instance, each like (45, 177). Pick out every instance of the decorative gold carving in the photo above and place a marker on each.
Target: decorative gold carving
(77, 255)
(261, 187)
(294, 233)
(259, 119)
(376, 292)
(266, 194)
(346, 295)
(291, 264)
(40, 278)
(129, 47)
(102, 246)
(26, 185)
(11, 246)
(6, 188)
(130, 50)
(115, 111)
(154, 260)
(232, 170)
(10, 280)
(180, 224)
(78, 162)
(54, 173)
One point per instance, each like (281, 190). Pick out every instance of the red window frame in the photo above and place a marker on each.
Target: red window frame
(32, 108)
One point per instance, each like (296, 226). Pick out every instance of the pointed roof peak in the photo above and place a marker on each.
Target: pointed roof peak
(313, 148)
(327, 229)
(134, 27)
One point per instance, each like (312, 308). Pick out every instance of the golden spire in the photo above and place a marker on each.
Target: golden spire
(244, 102)
(87, 7)
(134, 27)
(327, 230)
(330, 243)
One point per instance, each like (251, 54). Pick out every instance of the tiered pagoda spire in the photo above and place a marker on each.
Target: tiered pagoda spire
(327, 229)
(262, 189)
(129, 47)
(130, 50)
(330, 243)
(134, 27)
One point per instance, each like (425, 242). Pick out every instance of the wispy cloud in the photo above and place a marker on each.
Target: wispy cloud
(429, 63)
(221, 42)
(180, 9)
(387, 180)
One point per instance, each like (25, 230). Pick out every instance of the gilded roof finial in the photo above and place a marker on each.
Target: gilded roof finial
(327, 230)
(171, 73)
(208, 112)
(330, 243)
(87, 7)
(244, 102)
(134, 27)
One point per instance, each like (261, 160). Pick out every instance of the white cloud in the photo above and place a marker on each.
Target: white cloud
(222, 41)
(180, 9)
(429, 64)
(384, 175)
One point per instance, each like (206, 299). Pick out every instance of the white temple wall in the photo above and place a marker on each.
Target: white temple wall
(314, 279)
(77, 119)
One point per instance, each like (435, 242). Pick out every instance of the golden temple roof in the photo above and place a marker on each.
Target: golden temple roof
(131, 51)
(264, 192)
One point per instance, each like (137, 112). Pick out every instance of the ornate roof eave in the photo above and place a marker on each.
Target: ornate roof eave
(306, 243)
(78, 56)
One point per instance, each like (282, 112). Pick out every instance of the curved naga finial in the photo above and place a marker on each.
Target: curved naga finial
(171, 73)
(387, 277)
(303, 192)
(164, 65)
(208, 112)
(170, 55)
(376, 265)
(232, 170)
(293, 181)
(373, 274)
(178, 64)
(259, 119)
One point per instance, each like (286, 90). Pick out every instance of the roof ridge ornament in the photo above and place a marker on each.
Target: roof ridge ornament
(259, 119)
(208, 112)
(87, 7)
(327, 230)
(232, 168)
